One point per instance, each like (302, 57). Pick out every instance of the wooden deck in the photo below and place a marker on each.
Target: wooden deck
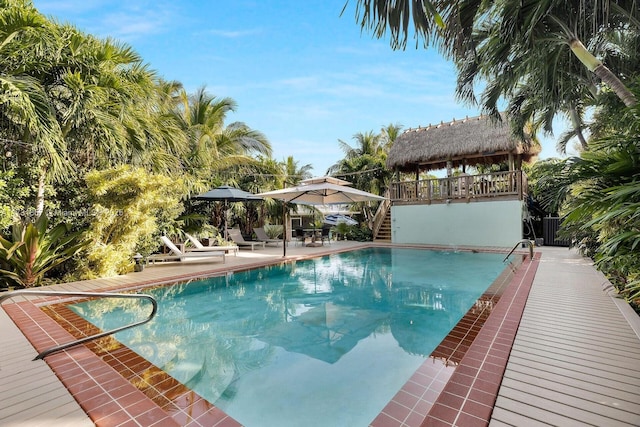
(575, 359)
(461, 188)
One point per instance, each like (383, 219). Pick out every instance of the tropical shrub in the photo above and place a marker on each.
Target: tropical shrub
(343, 229)
(274, 231)
(360, 234)
(33, 250)
(127, 205)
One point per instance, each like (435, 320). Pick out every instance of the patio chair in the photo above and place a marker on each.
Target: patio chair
(199, 247)
(237, 238)
(176, 254)
(299, 235)
(325, 235)
(262, 236)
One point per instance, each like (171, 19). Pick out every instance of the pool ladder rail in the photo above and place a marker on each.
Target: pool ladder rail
(528, 242)
(61, 347)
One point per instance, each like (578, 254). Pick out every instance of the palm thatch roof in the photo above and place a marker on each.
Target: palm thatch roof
(471, 141)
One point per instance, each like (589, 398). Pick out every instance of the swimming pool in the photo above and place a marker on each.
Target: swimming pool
(317, 342)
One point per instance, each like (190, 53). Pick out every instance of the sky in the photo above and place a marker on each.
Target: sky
(300, 71)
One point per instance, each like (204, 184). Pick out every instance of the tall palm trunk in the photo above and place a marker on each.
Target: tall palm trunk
(599, 69)
(42, 179)
(576, 121)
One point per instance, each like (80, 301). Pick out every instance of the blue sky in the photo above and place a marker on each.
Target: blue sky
(299, 72)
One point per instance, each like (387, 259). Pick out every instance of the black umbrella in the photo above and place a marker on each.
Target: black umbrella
(226, 194)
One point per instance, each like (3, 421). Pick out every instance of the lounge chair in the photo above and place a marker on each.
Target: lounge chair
(199, 247)
(262, 236)
(176, 254)
(237, 238)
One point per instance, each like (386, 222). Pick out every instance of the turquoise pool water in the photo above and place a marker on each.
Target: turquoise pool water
(320, 342)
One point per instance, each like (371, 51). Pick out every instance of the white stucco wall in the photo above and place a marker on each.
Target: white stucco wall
(496, 223)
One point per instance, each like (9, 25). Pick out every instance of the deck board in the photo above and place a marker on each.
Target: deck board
(576, 358)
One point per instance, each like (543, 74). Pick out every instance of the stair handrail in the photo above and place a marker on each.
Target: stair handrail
(79, 341)
(381, 213)
(529, 242)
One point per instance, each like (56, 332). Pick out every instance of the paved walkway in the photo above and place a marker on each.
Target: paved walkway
(575, 361)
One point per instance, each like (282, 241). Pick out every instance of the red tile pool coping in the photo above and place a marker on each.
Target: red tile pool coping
(456, 386)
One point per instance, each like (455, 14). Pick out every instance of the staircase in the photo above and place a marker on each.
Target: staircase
(382, 221)
(384, 233)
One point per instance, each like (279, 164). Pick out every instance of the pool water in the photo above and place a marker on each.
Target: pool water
(319, 342)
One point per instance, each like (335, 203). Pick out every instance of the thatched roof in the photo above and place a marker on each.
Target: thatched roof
(471, 141)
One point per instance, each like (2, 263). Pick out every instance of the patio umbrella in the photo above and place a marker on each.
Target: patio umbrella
(338, 218)
(329, 191)
(227, 194)
(325, 190)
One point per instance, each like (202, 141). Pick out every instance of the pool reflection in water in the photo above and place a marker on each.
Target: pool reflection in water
(327, 341)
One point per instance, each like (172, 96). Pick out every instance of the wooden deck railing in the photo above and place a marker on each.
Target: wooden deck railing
(511, 184)
(381, 213)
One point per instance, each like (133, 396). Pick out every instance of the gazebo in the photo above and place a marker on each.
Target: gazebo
(460, 143)
(450, 210)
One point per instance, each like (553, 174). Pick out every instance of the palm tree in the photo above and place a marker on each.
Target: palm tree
(29, 121)
(389, 134)
(598, 194)
(460, 28)
(214, 146)
(78, 102)
(293, 173)
(365, 164)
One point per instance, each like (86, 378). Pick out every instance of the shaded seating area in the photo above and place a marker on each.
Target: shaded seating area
(236, 237)
(262, 236)
(176, 254)
(312, 237)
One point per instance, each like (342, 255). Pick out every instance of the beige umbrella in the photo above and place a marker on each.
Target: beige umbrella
(324, 190)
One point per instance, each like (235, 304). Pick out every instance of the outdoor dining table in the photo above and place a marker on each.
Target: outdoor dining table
(315, 234)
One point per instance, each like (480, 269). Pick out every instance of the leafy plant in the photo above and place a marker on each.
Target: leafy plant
(128, 204)
(33, 250)
(360, 234)
(274, 231)
(342, 228)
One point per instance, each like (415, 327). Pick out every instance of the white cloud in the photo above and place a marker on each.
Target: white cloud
(137, 21)
(127, 22)
(234, 34)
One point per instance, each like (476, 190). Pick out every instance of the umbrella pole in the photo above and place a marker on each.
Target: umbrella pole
(224, 221)
(284, 229)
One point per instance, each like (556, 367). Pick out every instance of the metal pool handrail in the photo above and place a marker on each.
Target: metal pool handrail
(61, 347)
(529, 242)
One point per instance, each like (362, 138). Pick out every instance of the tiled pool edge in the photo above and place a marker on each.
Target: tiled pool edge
(467, 400)
(97, 388)
(153, 421)
(410, 406)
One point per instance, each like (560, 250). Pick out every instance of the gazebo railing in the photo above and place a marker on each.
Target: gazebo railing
(510, 184)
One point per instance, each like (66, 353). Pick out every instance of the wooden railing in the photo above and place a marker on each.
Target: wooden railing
(381, 213)
(512, 184)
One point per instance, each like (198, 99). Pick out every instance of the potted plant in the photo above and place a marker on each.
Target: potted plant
(342, 228)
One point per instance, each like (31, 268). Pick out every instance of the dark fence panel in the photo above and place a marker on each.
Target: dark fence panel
(550, 227)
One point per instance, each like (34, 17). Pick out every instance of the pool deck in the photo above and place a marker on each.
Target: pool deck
(575, 358)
